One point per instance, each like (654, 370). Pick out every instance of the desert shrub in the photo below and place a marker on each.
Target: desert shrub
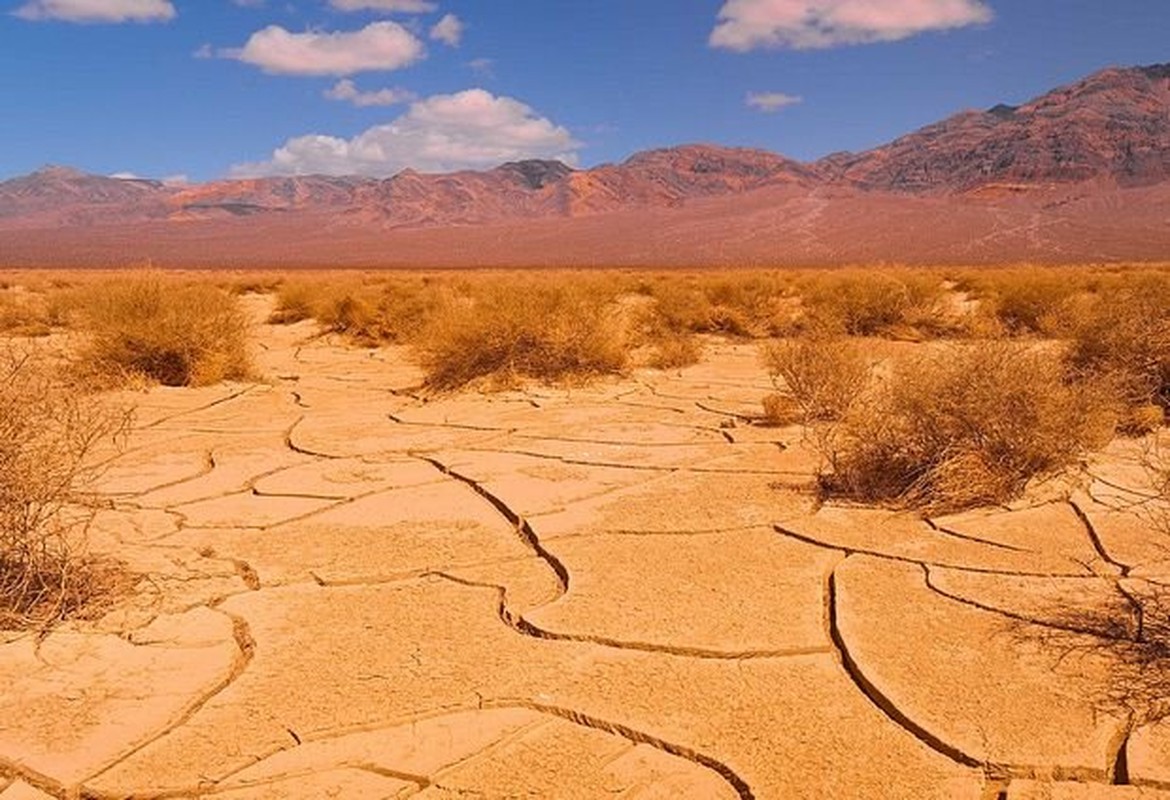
(353, 313)
(964, 426)
(1027, 300)
(820, 376)
(872, 303)
(747, 305)
(296, 301)
(779, 409)
(48, 430)
(17, 317)
(363, 312)
(509, 330)
(179, 334)
(1123, 334)
(675, 350)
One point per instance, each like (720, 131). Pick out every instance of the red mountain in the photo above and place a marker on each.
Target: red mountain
(1113, 126)
(1079, 174)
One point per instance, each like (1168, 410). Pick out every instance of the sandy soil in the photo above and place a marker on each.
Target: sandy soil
(625, 590)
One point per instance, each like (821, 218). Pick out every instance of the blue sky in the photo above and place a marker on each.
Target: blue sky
(206, 89)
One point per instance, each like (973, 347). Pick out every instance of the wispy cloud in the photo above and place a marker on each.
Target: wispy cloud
(467, 130)
(769, 102)
(388, 6)
(809, 24)
(484, 67)
(346, 91)
(378, 46)
(97, 10)
(448, 30)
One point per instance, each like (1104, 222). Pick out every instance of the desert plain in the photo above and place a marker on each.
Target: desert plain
(338, 583)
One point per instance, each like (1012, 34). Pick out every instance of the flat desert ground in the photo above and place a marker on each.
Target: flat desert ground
(621, 590)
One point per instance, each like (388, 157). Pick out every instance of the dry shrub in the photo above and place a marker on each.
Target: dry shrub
(875, 303)
(965, 426)
(749, 305)
(179, 334)
(296, 301)
(820, 376)
(364, 312)
(1123, 334)
(24, 314)
(676, 350)
(48, 430)
(1026, 300)
(509, 330)
(779, 409)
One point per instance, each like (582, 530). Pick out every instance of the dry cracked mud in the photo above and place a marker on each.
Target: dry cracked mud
(348, 590)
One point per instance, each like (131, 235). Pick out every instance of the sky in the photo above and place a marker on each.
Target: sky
(194, 90)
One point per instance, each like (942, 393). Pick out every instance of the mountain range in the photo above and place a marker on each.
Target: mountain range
(1081, 174)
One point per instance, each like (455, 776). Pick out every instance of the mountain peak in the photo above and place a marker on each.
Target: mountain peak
(59, 172)
(1156, 71)
(1112, 126)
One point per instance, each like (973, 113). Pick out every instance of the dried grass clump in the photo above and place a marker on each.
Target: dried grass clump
(506, 331)
(748, 305)
(296, 301)
(179, 334)
(965, 426)
(48, 431)
(1027, 300)
(675, 351)
(875, 303)
(367, 313)
(821, 377)
(1123, 334)
(23, 313)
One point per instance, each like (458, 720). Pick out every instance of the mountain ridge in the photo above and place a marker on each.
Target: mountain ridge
(1035, 164)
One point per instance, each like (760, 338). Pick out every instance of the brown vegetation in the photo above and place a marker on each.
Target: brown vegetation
(964, 426)
(1122, 333)
(901, 304)
(176, 333)
(821, 377)
(541, 330)
(48, 430)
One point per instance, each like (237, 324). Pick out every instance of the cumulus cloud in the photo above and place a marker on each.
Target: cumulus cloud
(346, 91)
(771, 101)
(472, 129)
(808, 24)
(378, 46)
(97, 10)
(448, 30)
(388, 6)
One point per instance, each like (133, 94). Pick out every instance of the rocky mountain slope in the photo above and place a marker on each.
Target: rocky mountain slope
(1112, 126)
(1077, 174)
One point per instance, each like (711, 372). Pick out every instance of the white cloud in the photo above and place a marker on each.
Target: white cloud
(448, 30)
(389, 6)
(97, 10)
(378, 46)
(808, 24)
(771, 101)
(346, 91)
(170, 180)
(472, 129)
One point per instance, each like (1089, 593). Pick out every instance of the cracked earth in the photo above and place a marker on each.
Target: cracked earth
(626, 590)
